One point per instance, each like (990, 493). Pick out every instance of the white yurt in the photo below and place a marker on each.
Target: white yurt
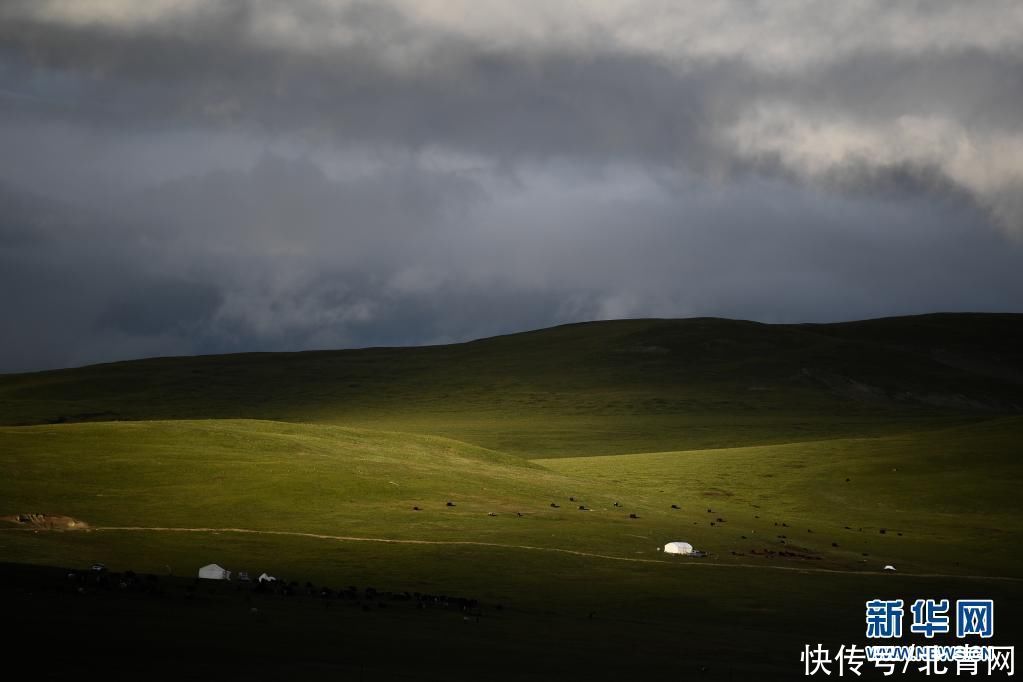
(214, 572)
(266, 578)
(678, 548)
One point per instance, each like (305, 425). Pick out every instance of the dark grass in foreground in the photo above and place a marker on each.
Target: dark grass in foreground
(573, 623)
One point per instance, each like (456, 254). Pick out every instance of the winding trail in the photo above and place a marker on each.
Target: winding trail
(473, 543)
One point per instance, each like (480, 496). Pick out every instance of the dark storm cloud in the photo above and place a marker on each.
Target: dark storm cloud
(768, 250)
(206, 177)
(594, 106)
(207, 68)
(157, 307)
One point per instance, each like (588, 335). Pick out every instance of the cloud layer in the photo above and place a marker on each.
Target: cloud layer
(187, 177)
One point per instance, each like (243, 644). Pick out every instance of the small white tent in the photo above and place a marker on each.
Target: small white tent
(678, 548)
(266, 578)
(214, 572)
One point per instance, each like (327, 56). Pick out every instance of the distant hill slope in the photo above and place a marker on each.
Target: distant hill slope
(590, 388)
(906, 498)
(930, 492)
(259, 474)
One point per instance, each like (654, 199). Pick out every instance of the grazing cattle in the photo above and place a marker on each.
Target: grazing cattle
(451, 504)
(616, 504)
(883, 531)
(415, 508)
(555, 506)
(720, 520)
(834, 544)
(519, 514)
(633, 516)
(491, 513)
(583, 507)
(675, 506)
(571, 499)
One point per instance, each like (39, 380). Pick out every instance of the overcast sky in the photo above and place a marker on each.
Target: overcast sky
(186, 176)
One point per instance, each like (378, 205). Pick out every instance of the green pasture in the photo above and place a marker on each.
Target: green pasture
(801, 458)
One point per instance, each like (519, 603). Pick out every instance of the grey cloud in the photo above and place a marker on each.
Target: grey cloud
(590, 103)
(187, 185)
(767, 250)
(464, 96)
(981, 88)
(157, 307)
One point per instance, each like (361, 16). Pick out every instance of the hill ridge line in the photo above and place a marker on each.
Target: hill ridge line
(810, 328)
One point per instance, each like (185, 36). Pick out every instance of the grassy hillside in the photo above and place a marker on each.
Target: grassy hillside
(267, 476)
(582, 593)
(597, 388)
(947, 500)
(782, 450)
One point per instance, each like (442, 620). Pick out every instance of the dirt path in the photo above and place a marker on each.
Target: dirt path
(559, 550)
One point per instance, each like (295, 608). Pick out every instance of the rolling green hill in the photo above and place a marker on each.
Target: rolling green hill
(595, 388)
(930, 491)
(584, 592)
(802, 458)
